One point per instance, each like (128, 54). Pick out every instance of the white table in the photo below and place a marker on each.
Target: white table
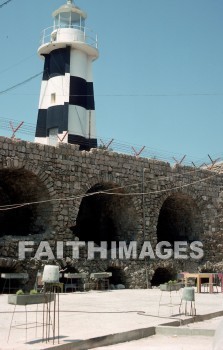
(12, 276)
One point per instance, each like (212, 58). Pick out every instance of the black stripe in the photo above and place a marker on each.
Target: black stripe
(81, 93)
(41, 123)
(53, 117)
(90, 97)
(56, 63)
(57, 117)
(85, 144)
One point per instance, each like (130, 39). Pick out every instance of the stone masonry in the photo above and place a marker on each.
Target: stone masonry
(136, 199)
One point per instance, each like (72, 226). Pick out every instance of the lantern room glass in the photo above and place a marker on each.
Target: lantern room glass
(69, 20)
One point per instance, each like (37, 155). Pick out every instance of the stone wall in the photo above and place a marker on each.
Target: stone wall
(137, 199)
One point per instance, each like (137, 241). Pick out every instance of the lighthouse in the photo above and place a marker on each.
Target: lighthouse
(66, 104)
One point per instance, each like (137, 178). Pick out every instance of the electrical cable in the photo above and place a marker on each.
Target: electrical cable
(160, 178)
(154, 179)
(16, 64)
(161, 95)
(147, 95)
(5, 3)
(18, 205)
(20, 84)
(158, 191)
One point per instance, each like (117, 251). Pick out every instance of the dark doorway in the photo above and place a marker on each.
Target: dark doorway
(118, 276)
(162, 275)
(179, 220)
(106, 217)
(17, 189)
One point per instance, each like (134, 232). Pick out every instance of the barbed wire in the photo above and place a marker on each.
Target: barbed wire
(29, 129)
(118, 146)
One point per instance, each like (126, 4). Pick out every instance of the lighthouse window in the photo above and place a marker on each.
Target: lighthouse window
(57, 21)
(77, 21)
(65, 19)
(53, 98)
(69, 19)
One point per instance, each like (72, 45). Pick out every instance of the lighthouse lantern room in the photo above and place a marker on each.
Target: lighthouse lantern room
(66, 105)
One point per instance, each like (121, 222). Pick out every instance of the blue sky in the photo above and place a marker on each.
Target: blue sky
(158, 80)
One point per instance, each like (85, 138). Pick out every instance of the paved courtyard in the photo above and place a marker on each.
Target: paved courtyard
(93, 314)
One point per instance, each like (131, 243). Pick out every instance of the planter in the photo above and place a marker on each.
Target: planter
(28, 299)
(170, 287)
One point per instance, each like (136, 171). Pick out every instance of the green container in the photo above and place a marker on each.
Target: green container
(28, 299)
(170, 287)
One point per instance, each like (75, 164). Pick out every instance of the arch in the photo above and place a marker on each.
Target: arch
(179, 219)
(118, 276)
(18, 186)
(163, 275)
(105, 217)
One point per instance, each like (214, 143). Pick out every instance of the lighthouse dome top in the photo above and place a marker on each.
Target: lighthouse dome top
(69, 30)
(70, 8)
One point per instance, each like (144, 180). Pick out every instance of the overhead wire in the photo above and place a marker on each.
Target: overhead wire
(14, 206)
(119, 147)
(5, 3)
(20, 84)
(19, 205)
(148, 95)
(160, 178)
(160, 95)
(16, 64)
(159, 191)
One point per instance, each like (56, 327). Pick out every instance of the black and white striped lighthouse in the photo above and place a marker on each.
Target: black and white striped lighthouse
(66, 105)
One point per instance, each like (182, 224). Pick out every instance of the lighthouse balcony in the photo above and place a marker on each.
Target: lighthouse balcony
(69, 34)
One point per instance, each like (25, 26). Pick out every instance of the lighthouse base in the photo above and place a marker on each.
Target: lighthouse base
(84, 143)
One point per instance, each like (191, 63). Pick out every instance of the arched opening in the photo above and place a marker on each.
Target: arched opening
(162, 275)
(179, 220)
(118, 277)
(104, 217)
(18, 187)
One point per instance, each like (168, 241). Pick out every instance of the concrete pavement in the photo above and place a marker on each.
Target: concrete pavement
(110, 316)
